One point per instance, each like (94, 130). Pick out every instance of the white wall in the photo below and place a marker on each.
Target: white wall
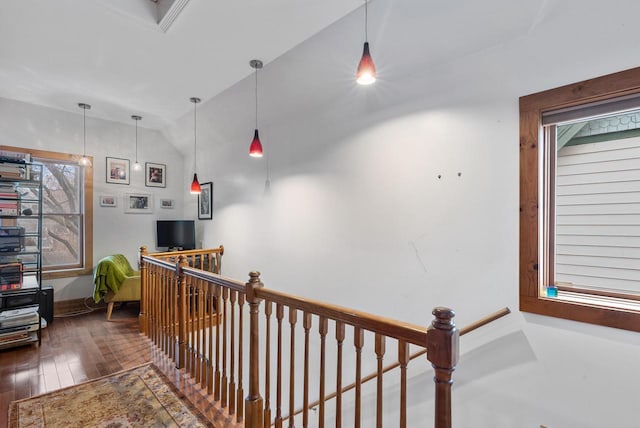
(359, 217)
(30, 126)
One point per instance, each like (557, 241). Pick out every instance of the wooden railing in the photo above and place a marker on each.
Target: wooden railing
(199, 319)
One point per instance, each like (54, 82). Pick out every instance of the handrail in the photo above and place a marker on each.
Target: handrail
(219, 249)
(216, 279)
(467, 329)
(410, 333)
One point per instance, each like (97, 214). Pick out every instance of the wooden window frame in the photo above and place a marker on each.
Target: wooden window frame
(531, 143)
(87, 242)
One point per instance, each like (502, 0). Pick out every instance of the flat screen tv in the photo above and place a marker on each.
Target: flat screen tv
(176, 234)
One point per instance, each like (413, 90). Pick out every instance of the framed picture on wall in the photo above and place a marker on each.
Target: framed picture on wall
(205, 201)
(155, 175)
(167, 203)
(117, 171)
(108, 201)
(138, 203)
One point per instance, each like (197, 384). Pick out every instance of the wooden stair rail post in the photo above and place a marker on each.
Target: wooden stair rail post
(144, 299)
(253, 403)
(443, 352)
(182, 312)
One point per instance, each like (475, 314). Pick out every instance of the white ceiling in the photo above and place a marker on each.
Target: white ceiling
(112, 54)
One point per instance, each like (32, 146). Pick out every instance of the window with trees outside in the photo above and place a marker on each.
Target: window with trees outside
(580, 201)
(67, 227)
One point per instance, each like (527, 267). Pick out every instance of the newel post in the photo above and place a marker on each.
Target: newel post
(443, 352)
(144, 299)
(182, 312)
(253, 404)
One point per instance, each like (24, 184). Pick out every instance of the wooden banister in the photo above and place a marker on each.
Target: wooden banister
(465, 330)
(389, 327)
(189, 310)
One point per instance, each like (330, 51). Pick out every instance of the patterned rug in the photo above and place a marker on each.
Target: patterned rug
(139, 397)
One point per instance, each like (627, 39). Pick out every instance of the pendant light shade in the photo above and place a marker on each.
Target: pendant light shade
(195, 184)
(84, 160)
(366, 73)
(136, 165)
(255, 149)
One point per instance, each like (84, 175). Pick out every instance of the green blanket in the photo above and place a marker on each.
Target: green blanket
(109, 275)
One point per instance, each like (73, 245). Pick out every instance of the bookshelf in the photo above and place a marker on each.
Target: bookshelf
(21, 322)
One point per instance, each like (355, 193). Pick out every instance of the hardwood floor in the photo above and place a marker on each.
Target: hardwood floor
(83, 347)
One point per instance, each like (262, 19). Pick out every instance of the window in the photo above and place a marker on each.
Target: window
(580, 201)
(67, 211)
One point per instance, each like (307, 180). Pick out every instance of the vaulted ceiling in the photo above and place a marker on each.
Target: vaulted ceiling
(114, 55)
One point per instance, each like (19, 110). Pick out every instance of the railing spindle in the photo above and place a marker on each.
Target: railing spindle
(182, 318)
(340, 333)
(240, 394)
(279, 318)
(225, 382)
(213, 319)
(305, 400)
(216, 384)
(403, 359)
(358, 342)
(380, 350)
(268, 306)
(232, 356)
(323, 329)
(293, 319)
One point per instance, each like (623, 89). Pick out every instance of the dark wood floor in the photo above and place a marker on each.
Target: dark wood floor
(83, 347)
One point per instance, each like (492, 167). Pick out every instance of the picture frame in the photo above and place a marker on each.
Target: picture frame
(155, 174)
(205, 201)
(138, 203)
(118, 171)
(167, 203)
(108, 201)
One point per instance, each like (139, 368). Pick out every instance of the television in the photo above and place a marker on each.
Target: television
(176, 234)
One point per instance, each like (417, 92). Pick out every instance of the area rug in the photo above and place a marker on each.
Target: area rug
(139, 397)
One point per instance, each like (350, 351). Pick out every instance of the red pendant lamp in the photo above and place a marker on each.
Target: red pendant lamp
(255, 149)
(366, 73)
(195, 184)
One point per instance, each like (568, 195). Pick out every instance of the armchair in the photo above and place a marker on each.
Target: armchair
(115, 281)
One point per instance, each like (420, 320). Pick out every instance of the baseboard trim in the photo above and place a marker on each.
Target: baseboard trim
(75, 306)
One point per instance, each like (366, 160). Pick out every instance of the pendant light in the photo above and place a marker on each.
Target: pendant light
(255, 149)
(195, 184)
(366, 73)
(84, 160)
(136, 165)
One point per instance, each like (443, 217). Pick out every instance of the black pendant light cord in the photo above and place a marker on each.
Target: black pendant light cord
(136, 140)
(84, 132)
(195, 136)
(366, 19)
(256, 98)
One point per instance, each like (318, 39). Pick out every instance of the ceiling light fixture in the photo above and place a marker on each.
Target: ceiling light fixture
(136, 165)
(84, 160)
(366, 73)
(195, 185)
(255, 149)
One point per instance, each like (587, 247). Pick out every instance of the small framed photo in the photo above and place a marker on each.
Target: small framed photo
(108, 201)
(155, 175)
(205, 201)
(118, 171)
(138, 203)
(166, 203)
